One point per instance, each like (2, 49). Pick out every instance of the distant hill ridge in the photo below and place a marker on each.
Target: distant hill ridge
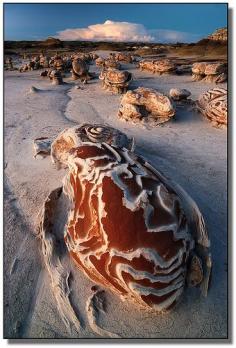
(51, 41)
(215, 45)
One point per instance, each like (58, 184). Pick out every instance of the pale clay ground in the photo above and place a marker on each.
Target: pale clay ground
(189, 150)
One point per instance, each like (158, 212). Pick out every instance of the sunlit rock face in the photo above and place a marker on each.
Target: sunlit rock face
(209, 72)
(220, 34)
(71, 138)
(146, 105)
(124, 57)
(115, 80)
(164, 66)
(161, 66)
(146, 64)
(213, 105)
(112, 63)
(127, 230)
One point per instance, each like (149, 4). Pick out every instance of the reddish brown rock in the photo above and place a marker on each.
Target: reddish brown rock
(131, 230)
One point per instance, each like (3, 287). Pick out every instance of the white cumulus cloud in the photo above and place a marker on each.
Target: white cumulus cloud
(108, 31)
(124, 32)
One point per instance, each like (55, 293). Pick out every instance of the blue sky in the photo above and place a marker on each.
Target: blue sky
(143, 22)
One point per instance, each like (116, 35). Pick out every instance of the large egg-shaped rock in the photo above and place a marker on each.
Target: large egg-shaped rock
(128, 230)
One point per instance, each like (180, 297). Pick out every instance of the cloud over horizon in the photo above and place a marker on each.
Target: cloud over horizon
(125, 32)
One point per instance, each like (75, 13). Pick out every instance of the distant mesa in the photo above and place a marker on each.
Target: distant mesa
(217, 39)
(52, 42)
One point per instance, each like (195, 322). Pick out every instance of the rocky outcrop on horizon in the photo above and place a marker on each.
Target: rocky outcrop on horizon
(219, 35)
